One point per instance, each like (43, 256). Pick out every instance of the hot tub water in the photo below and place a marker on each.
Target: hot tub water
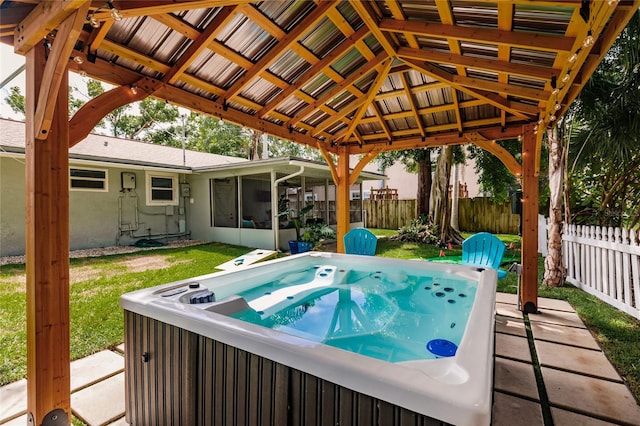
(389, 315)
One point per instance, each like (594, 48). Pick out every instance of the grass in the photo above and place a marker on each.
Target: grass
(97, 283)
(96, 319)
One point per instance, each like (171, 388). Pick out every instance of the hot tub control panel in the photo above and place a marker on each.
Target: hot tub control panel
(202, 296)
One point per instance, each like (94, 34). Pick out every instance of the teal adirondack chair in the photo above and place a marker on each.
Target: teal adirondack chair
(360, 241)
(484, 250)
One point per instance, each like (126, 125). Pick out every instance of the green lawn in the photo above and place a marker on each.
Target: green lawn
(97, 283)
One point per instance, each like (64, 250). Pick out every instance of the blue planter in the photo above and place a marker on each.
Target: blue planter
(299, 246)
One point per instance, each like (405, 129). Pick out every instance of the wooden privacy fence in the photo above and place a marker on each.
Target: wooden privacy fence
(604, 262)
(483, 214)
(389, 214)
(474, 215)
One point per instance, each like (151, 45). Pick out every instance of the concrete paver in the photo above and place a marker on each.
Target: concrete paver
(508, 310)
(508, 408)
(101, 403)
(13, 399)
(558, 317)
(509, 298)
(579, 360)
(588, 395)
(563, 334)
(554, 304)
(93, 368)
(568, 418)
(516, 378)
(510, 325)
(515, 347)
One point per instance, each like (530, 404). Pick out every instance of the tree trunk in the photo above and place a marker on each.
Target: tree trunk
(455, 196)
(554, 270)
(440, 197)
(424, 187)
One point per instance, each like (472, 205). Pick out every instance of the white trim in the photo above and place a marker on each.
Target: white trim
(174, 189)
(104, 180)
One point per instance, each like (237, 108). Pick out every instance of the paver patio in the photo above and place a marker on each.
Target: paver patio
(578, 387)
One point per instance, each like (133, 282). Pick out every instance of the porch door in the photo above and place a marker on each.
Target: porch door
(225, 202)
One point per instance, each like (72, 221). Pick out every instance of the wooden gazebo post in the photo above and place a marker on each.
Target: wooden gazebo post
(47, 251)
(47, 204)
(342, 199)
(529, 289)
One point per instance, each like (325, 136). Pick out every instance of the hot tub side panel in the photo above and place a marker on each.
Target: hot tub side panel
(159, 357)
(224, 385)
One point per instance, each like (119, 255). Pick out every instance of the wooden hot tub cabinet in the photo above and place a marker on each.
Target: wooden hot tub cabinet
(176, 377)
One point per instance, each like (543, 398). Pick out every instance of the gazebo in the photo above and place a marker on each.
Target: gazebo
(345, 77)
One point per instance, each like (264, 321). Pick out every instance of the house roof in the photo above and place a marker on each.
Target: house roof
(119, 151)
(366, 75)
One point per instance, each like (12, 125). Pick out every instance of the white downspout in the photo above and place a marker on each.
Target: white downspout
(274, 206)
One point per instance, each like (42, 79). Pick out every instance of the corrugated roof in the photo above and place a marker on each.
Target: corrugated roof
(304, 70)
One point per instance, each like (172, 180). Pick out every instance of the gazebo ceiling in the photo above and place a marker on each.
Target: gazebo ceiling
(368, 75)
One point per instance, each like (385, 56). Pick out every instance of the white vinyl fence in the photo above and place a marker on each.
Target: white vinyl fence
(604, 262)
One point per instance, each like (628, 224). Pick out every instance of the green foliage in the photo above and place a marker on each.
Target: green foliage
(495, 178)
(419, 231)
(604, 155)
(16, 100)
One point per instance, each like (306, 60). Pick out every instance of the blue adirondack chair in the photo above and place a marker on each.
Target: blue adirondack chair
(485, 250)
(360, 241)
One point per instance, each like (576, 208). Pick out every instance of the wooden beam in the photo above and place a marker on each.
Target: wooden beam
(200, 43)
(47, 252)
(42, 20)
(492, 65)
(312, 72)
(338, 88)
(503, 155)
(373, 90)
(445, 77)
(529, 288)
(479, 35)
(263, 21)
(136, 8)
(56, 68)
(90, 114)
(363, 9)
(364, 160)
(304, 26)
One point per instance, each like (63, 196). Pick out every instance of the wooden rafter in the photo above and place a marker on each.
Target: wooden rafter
(446, 17)
(284, 44)
(363, 9)
(136, 8)
(253, 13)
(505, 23)
(373, 90)
(200, 43)
(454, 82)
(397, 13)
(381, 121)
(338, 88)
(412, 104)
(319, 67)
(524, 40)
(500, 66)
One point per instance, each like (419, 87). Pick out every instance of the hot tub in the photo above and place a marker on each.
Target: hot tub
(316, 338)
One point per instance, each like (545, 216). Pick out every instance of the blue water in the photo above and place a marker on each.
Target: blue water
(386, 315)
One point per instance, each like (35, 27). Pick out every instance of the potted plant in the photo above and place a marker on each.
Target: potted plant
(313, 232)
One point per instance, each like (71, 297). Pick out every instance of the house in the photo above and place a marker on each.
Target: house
(123, 191)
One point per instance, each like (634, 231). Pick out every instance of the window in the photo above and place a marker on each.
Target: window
(162, 189)
(88, 180)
